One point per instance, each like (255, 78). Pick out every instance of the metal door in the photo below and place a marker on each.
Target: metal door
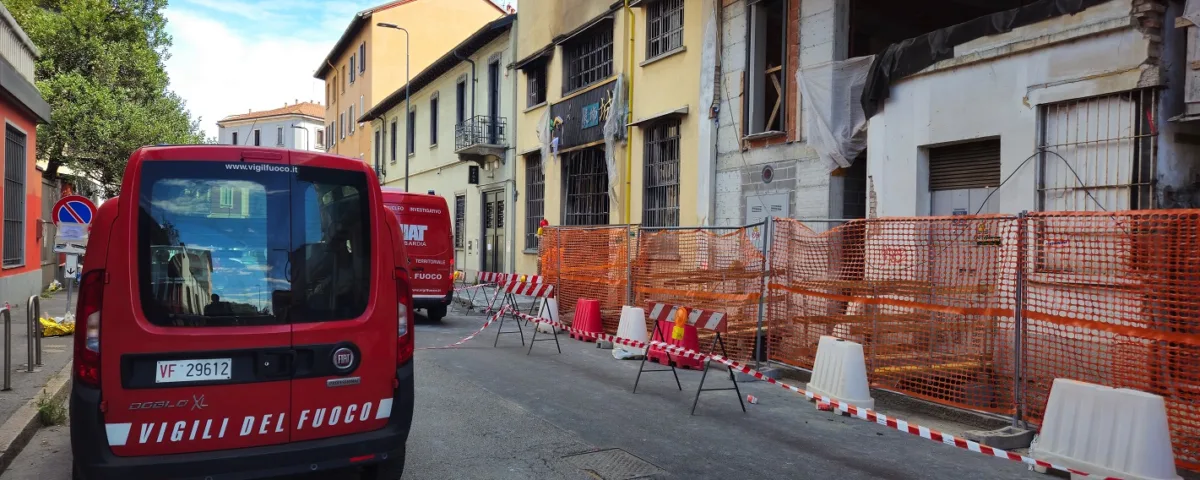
(493, 231)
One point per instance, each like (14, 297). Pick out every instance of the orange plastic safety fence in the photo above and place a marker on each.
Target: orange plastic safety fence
(928, 298)
(1108, 298)
(589, 262)
(714, 269)
(1114, 299)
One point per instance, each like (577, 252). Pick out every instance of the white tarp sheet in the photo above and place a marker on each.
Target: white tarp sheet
(832, 111)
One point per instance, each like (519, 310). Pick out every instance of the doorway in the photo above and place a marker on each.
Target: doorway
(493, 232)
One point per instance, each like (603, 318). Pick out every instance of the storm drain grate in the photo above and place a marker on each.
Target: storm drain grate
(614, 464)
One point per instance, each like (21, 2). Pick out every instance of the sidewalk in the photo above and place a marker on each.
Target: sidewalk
(16, 426)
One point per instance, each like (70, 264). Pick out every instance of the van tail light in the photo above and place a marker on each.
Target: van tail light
(87, 338)
(404, 326)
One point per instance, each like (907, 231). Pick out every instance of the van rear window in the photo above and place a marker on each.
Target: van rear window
(225, 246)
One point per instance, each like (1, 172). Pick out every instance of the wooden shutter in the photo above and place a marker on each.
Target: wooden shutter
(965, 165)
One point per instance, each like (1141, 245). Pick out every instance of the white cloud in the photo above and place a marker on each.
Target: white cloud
(229, 57)
(220, 71)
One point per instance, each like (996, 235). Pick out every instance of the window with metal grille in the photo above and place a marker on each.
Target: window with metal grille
(1099, 153)
(585, 188)
(257, 138)
(14, 197)
(535, 78)
(320, 138)
(411, 131)
(460, 219)
(279, 136)
(664, 27)
(660, 201)
(588, 59)
(392, 145)
(535, 199)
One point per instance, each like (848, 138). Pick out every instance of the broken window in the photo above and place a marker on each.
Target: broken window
(765, 81)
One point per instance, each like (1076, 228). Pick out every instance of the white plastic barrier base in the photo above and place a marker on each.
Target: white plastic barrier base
(1106, 431)
(549, 310)
(840, 373)
(633, 327)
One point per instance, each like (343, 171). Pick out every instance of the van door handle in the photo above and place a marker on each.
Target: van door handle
(276, 364)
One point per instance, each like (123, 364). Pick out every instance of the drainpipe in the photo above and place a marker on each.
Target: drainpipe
(512, 158)
(715, 107)
(631, 24)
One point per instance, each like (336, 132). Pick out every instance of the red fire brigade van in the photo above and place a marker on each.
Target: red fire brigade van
(244, 313)
(425, 223)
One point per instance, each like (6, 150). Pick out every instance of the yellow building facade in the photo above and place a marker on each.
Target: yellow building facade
(577, 60)
(368, 62)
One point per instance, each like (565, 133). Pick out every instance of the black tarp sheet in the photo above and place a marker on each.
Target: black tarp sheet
(910, 56)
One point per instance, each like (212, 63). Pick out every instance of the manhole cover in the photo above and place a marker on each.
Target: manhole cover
(613, 464)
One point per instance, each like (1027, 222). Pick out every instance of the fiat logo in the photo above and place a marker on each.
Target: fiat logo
(343, 358)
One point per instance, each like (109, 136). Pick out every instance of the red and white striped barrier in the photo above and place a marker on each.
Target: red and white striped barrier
(492, 277)
(697, 317)
(851, 410)
(468, 338)
(502, 278)
(543, 290)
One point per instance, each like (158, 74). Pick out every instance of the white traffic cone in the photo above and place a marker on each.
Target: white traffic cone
(549, 311)
(632, 327)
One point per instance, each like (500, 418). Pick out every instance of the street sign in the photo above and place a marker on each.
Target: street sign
(72, 267)
(72, 217)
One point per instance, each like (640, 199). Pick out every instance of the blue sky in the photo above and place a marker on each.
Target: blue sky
(231, 56)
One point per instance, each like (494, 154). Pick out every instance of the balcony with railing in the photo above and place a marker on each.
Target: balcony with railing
(479, 137)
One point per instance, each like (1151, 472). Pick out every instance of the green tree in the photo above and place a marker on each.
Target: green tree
(102, 72)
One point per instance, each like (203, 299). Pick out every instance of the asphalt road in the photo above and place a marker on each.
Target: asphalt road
(497, 413)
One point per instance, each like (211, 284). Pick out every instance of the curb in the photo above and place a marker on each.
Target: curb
(16, 432)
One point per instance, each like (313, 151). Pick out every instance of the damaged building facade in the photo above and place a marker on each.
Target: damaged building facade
(865, 108)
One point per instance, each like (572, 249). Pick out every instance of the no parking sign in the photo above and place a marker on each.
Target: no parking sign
(72, 217)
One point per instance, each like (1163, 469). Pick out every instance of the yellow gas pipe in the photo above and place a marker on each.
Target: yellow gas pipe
(631, 25)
